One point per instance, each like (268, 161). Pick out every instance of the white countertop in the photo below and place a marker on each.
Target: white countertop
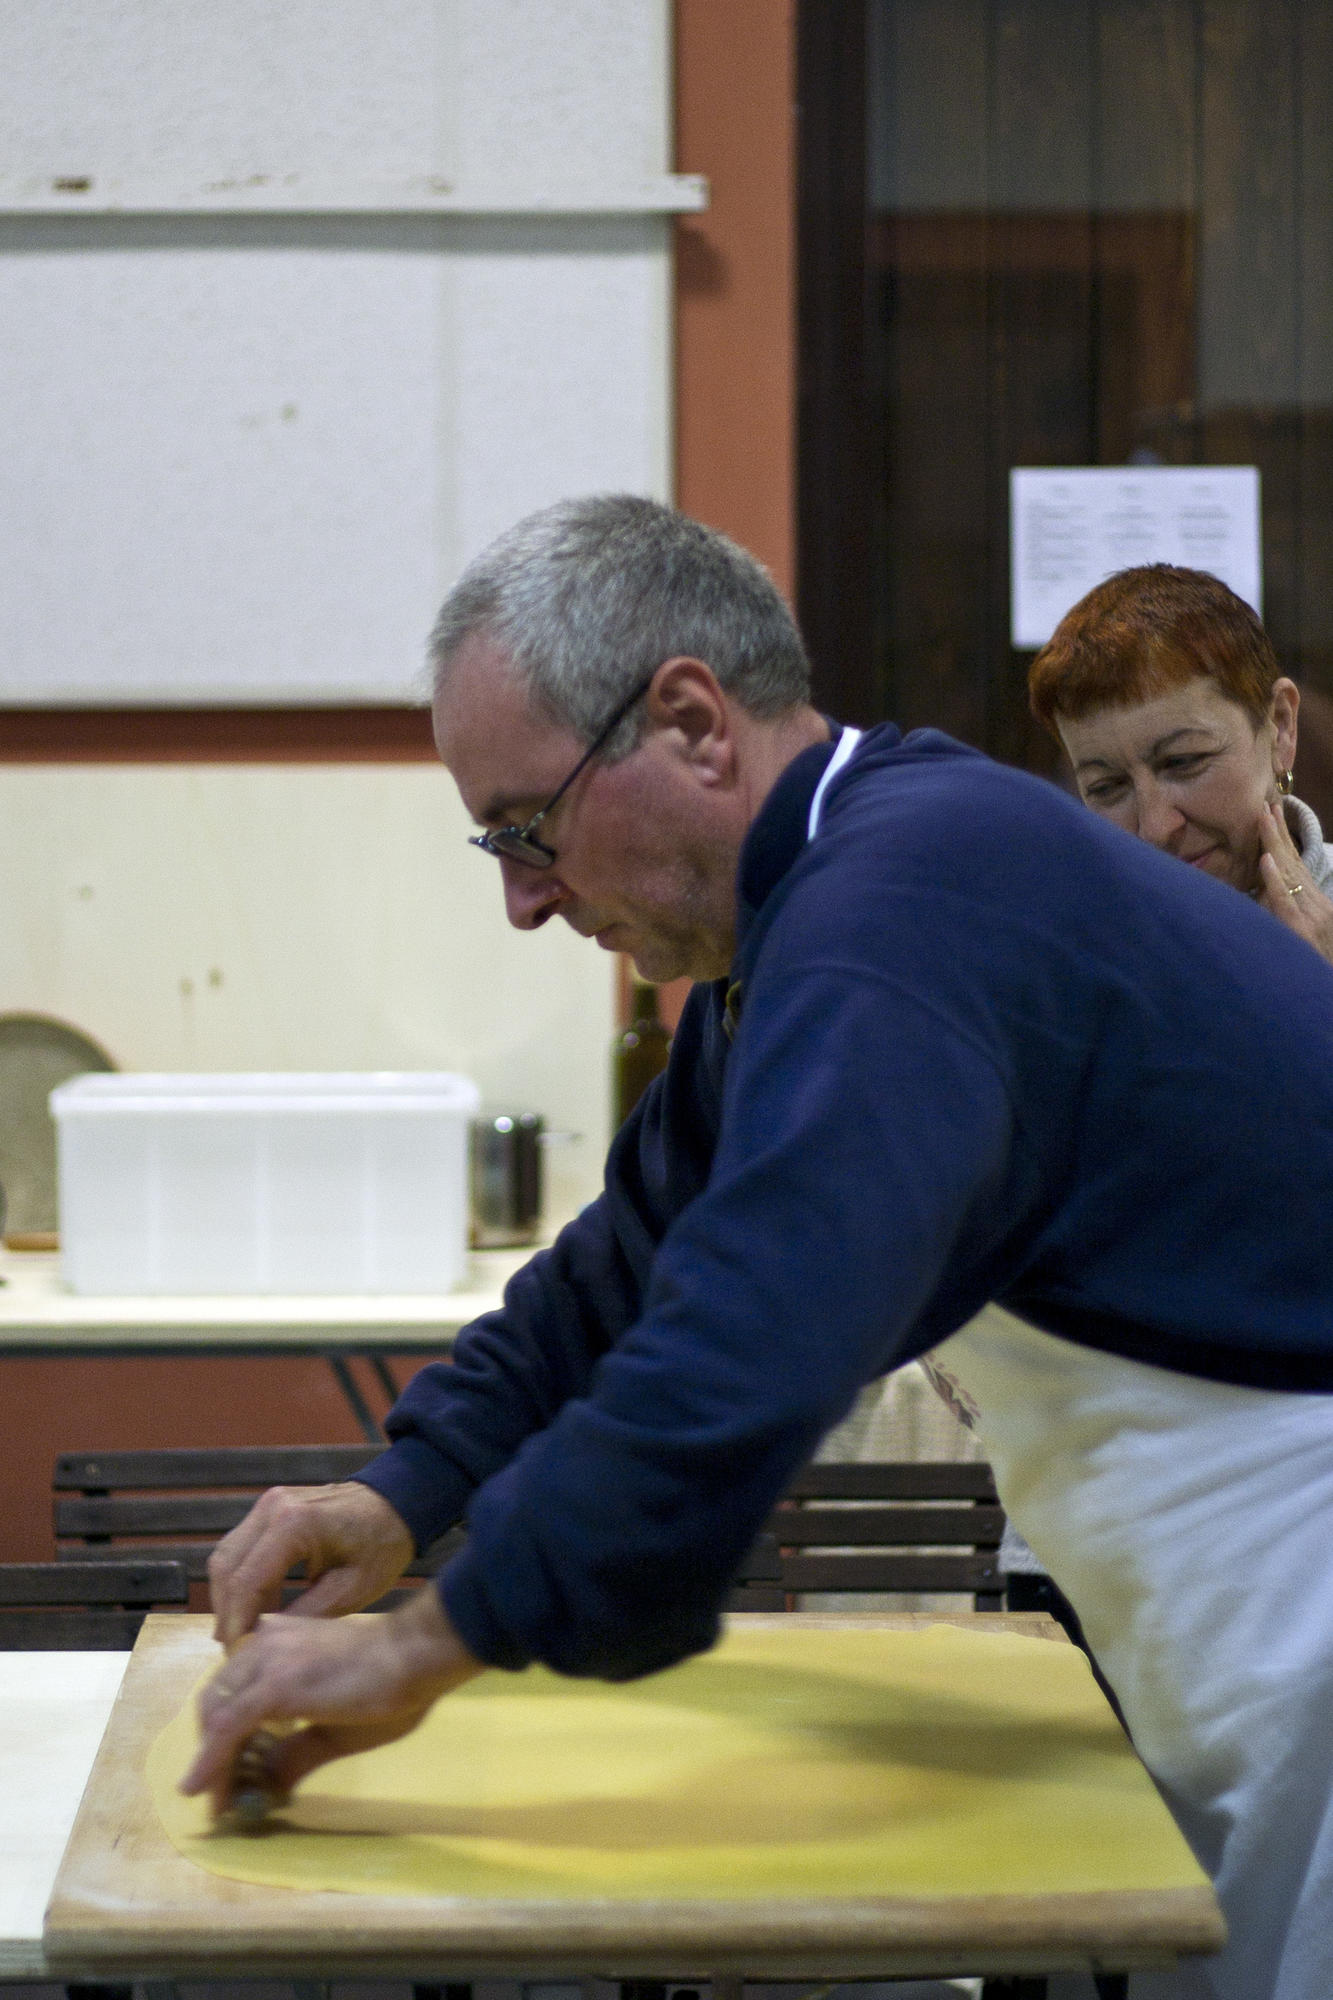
(39, 1314)
(53, 1710)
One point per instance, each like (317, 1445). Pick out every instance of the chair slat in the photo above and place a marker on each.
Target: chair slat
(757, 1597)
(887, 1527)
(67, 1631)
(954, 1479)
(897, 1538)
(80, 1607)
(762, 1563)
(259, 1466)
(79, 1583)
(193, 1556)
(153, 1514)
(916, 1573)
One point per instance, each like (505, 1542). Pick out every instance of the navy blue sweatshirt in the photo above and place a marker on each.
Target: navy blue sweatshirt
(987, 1047)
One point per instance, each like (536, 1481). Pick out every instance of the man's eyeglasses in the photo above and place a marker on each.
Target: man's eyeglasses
(520, 843)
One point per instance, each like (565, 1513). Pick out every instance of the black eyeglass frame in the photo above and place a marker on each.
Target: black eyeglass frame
(518, 843)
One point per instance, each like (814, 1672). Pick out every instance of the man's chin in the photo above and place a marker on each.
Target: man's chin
(652, 958)
(657, 967)
(662, 959)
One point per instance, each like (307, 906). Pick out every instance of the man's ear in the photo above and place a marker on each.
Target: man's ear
(687, 702)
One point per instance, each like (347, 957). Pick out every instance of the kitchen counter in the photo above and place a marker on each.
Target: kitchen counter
(39, 1315)
(40, 1318)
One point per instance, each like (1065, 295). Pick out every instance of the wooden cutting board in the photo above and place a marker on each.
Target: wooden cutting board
(126, 1904)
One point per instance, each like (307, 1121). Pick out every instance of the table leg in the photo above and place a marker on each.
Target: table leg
(360, 1409)
(385, 1376)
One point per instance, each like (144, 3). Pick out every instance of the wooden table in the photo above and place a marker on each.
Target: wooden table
(40, 1318)
(127, 1905)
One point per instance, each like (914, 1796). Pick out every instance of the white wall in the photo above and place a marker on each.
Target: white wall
(303, 301)
(311, 917)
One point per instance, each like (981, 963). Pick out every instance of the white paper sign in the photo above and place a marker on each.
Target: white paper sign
(1070, 527)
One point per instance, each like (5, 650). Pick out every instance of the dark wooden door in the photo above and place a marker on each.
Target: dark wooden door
(1090, 232)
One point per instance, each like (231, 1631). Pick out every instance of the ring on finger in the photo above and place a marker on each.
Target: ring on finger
(1297, 889)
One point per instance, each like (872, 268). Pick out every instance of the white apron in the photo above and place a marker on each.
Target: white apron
(1190, 1524)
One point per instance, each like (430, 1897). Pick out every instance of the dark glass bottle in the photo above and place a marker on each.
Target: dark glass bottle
(639, 1053)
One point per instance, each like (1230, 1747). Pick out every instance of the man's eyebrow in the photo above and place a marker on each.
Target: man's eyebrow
(1154, 749)
(502, 809)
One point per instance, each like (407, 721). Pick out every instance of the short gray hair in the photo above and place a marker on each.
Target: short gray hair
(589, 596)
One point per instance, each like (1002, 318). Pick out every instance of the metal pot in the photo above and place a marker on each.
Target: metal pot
(506, 1178)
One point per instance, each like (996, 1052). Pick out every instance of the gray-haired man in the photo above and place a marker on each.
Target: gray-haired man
(954, 1039)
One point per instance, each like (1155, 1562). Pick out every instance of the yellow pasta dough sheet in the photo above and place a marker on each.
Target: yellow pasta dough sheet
(800, 1762)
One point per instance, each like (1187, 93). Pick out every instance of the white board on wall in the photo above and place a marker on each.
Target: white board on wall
(243, 454)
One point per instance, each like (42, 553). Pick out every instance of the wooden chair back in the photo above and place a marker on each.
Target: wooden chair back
(82, 1606)
(881, 1528)
(178, 1503)
(851, 1529)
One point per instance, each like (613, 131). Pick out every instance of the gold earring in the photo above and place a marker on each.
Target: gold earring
(1285, 783)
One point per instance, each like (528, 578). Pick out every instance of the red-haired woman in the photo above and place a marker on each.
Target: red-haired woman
(1164, 690)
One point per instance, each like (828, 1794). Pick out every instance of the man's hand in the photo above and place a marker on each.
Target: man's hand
(352, 1542)
(1287, 887)
(350, 1685)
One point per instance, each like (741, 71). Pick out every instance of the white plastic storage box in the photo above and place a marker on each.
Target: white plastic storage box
(252, 1183)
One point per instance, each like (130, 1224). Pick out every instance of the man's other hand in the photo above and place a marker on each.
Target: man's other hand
(350, 1686)
(351, 1541)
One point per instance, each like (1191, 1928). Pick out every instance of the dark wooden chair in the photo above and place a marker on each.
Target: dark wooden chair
(919, 1528)
(885, 1527)
(84, 1606)
(178, 1503)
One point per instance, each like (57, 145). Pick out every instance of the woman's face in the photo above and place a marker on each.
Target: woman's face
(1188, 771)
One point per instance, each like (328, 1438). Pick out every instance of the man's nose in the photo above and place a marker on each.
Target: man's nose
(1158, 819)
(531, 894)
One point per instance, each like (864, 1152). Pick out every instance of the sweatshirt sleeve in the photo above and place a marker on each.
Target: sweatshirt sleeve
(864, 1140)
(512, 1370)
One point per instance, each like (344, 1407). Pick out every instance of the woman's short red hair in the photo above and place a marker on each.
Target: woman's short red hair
(1145, 631)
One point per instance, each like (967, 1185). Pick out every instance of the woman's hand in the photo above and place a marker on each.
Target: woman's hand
(350, 1684)
(1287, 888)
